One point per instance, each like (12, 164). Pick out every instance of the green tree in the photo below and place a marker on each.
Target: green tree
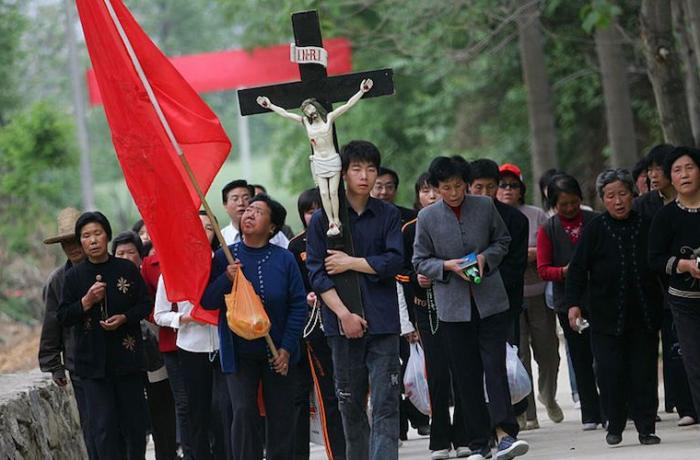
(37, 172)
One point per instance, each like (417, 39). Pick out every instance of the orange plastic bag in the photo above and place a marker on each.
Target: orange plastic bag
(245, 313)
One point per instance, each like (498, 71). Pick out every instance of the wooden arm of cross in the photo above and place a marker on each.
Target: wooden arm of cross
(329, 90)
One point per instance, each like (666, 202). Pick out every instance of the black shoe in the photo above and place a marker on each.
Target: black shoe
(649, 439)
(403, 436)
(424, 430)
(613, 439)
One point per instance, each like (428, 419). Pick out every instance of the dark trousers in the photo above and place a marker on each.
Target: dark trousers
(208, 403)
(582, 360)
(676, 388)
(179, 392)
(407, 411)
(627, 368)
(118, 416)
(444, 433)
(316, 357)
(686, 315)
(82, 404)
(477, 349)
(161, 407)
(278, 396)
(368, 364)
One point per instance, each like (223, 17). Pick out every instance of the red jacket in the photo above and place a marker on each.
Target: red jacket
(150, 270)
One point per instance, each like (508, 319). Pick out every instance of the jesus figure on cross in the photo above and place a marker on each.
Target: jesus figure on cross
(325, 160)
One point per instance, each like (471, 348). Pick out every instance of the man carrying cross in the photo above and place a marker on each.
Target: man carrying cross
(365, 349)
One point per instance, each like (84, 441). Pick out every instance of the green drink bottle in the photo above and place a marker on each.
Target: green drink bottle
(473, 274)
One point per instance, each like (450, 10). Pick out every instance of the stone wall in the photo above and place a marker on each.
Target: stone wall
(38, 420)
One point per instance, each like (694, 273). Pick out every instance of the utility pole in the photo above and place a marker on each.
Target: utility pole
(88, 195)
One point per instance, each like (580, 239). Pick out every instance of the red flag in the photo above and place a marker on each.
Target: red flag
(153, 172)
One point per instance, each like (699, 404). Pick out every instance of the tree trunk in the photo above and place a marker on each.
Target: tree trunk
(618, 109)
(692, 17)
(689, 53)
(663, 67)
(544, 141)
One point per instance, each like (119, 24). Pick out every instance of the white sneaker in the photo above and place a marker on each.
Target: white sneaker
(687, 421)
(463, 451)
(441, 454)
(590, 426)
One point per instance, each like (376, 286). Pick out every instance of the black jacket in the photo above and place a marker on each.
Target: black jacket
(513, 266)
(100, 353)
(611, 261)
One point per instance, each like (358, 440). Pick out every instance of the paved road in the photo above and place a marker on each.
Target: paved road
(567, 441)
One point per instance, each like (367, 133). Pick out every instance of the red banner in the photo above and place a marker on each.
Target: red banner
(223, 70)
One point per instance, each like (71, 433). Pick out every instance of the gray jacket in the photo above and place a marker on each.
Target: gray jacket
(57, 343)
(440, 236)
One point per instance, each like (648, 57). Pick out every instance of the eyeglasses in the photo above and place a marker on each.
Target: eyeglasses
(389, 187)
(509, 185)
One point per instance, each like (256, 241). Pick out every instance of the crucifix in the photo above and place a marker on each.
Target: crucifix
(315, 85)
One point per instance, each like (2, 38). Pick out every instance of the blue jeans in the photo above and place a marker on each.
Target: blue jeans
(370, 363)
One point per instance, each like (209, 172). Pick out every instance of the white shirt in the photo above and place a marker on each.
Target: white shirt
(233, 235)
(194, 336)
(406, 325)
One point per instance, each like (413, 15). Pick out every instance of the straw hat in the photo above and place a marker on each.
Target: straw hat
(66, 226)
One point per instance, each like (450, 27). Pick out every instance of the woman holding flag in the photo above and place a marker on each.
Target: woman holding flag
(276, 279)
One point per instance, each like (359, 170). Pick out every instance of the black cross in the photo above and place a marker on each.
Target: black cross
(327, 90)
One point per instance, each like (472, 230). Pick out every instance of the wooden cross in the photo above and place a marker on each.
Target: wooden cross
(315, 83)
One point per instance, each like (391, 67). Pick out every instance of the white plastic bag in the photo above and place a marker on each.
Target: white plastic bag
(315, 422)
(518, 380)
(415, 382)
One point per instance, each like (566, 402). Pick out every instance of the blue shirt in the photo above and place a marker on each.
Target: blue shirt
(376, 237)
(275, 276)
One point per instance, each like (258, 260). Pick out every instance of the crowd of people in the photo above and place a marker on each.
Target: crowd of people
(615, 282)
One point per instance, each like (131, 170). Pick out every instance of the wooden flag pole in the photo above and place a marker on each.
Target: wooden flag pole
(176, 145)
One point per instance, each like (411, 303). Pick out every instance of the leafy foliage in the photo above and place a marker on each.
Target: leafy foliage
(36, 153)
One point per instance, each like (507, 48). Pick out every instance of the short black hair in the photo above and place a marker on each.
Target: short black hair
(260, 186)
(238, 183)
(128, 237)
(420, 182)
(138, 225)
(360, 152)
(483, 168)
(307, 200)
(277, 212)
(639, 167)
(562, 183)
(544, 182)
(442, 169)
(678, 152)
(387, 171)
(658, 153)
(215, 243)
(93, 217)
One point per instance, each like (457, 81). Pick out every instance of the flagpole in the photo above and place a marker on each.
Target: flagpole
(168, 131)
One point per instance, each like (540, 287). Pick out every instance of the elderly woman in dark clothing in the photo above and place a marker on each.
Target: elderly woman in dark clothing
(105, 299)
(275, 276)
(624, 308)
(556, 241)
(674, 250)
